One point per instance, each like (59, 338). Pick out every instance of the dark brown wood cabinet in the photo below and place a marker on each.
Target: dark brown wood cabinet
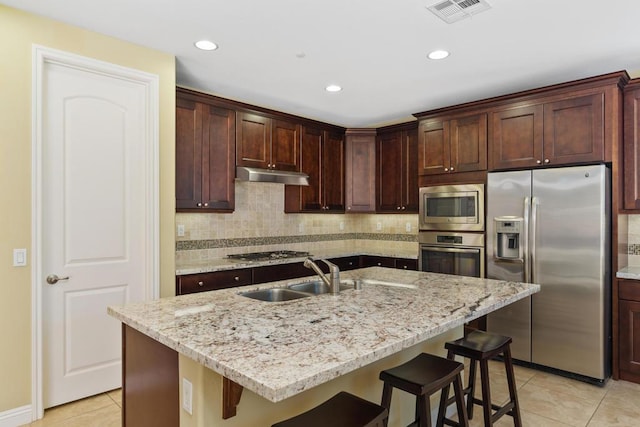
(267, 143)
(452, 144)
(205, 154)
(631, 150)
(346, 263)
(360, 170)
(272, 273)
(322, 158)
(202, 282)
(629, 329)
(377, 261)
(564, 130)
(397, 169)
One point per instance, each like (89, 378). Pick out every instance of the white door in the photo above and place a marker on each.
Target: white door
(95, 174)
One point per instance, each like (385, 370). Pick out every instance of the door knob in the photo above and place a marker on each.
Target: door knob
(52, 279)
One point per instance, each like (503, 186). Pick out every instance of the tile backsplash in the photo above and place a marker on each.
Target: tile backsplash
(259, 223)
(634, 240)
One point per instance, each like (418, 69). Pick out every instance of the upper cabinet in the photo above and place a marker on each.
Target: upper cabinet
(322, 158)
(563, 131)
(631, 166)
(397, 169)
(452, 144)
(205, 154)
(360, 170)
(267, 143)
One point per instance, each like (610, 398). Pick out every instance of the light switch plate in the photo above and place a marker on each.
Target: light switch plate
(379, 226)
(187, 396)
(19, 257)
(180, 230)
(407, 227)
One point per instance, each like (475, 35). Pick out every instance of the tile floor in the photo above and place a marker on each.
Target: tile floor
(546, 400)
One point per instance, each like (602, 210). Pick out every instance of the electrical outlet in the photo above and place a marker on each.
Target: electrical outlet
(341, 225)
(301, 227)
(187, 396)
(407, 227)
(379, 226)
(180, 230)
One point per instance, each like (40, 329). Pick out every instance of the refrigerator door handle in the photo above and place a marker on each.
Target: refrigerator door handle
(525, 243)
(532, 237)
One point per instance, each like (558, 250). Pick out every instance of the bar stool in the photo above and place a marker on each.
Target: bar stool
(422, 376)
(480, 347)
(342, 410)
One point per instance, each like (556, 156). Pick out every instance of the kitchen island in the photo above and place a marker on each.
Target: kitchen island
(290, 356)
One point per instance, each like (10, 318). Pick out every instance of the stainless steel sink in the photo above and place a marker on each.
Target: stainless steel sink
(317, 287)
(275, 294)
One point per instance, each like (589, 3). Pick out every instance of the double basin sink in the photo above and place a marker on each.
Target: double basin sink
(295, 291)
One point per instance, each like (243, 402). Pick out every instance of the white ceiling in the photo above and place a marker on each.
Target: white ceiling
(375, 49)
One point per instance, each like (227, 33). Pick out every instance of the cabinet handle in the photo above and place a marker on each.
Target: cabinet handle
(206, 204)
(200, 283)
(446, 169)
(451, 169)
(199, 205)
(398, 208)
(237, 278)
(538, 162)
(351, 263)
(404, 266)
(349, 207)
(546, 160)
(379, 264)
(404, 207)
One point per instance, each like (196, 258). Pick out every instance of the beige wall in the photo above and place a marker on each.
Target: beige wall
(18, 31)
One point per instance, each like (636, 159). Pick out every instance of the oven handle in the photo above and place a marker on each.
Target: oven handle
(451, 250)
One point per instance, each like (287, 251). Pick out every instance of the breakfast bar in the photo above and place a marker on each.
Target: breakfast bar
(288, 356)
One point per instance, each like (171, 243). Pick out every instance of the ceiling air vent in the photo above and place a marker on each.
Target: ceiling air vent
(454, 10)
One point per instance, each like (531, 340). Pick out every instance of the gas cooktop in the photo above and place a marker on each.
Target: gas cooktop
(266, 256)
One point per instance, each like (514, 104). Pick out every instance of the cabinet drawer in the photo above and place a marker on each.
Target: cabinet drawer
(192, 283)
(629, 290)
(346, 263)
(407, 264)
(272, 273)
(377, 261)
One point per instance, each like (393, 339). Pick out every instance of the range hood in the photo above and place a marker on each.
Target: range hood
(267, 175)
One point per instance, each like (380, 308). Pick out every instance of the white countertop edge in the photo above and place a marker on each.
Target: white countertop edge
(631, 273)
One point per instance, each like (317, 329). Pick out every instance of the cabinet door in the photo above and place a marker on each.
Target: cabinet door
(410, 187)
(631, 168)
(253, 141)
(389, 160)
(188, 154)
(515, 139)
(406, 264)
(311, 164)
(360, 172)
(574, 130)
(377, 261)
(468, 142)
(285, 145)
(218, 158)
(272, 273)
(433, 150)
(629, 335)
(333, 172)
(345, 263)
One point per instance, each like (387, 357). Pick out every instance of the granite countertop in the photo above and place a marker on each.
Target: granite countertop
(632, 273)
(278, 350)
(220, 264)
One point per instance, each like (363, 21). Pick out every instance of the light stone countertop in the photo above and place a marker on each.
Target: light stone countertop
(278, 350)
(632, 273)
(220, 264)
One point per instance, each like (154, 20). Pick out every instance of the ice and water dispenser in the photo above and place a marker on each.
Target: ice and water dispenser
(509, 237)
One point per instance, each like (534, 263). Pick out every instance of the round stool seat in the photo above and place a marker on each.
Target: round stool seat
(342, 410)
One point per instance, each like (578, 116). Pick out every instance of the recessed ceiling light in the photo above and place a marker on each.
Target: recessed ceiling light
(438, 54)
(333, 88)
(206, 45)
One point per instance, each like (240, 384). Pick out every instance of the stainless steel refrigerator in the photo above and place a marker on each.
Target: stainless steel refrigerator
(552, 227)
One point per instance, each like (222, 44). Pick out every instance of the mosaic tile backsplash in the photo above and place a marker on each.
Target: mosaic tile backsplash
(633, 248)
(259, 223)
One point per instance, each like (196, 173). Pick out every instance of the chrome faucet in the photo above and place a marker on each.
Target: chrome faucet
(333, 282)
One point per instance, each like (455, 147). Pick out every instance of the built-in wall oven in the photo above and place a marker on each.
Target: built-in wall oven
(456, 253)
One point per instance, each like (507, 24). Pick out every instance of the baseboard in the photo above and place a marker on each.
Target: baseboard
(16, 417)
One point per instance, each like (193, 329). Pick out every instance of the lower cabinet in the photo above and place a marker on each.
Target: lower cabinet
(202, 282)
(629, 329)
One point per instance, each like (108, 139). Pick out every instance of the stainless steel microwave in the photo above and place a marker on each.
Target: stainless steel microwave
(452, 207)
